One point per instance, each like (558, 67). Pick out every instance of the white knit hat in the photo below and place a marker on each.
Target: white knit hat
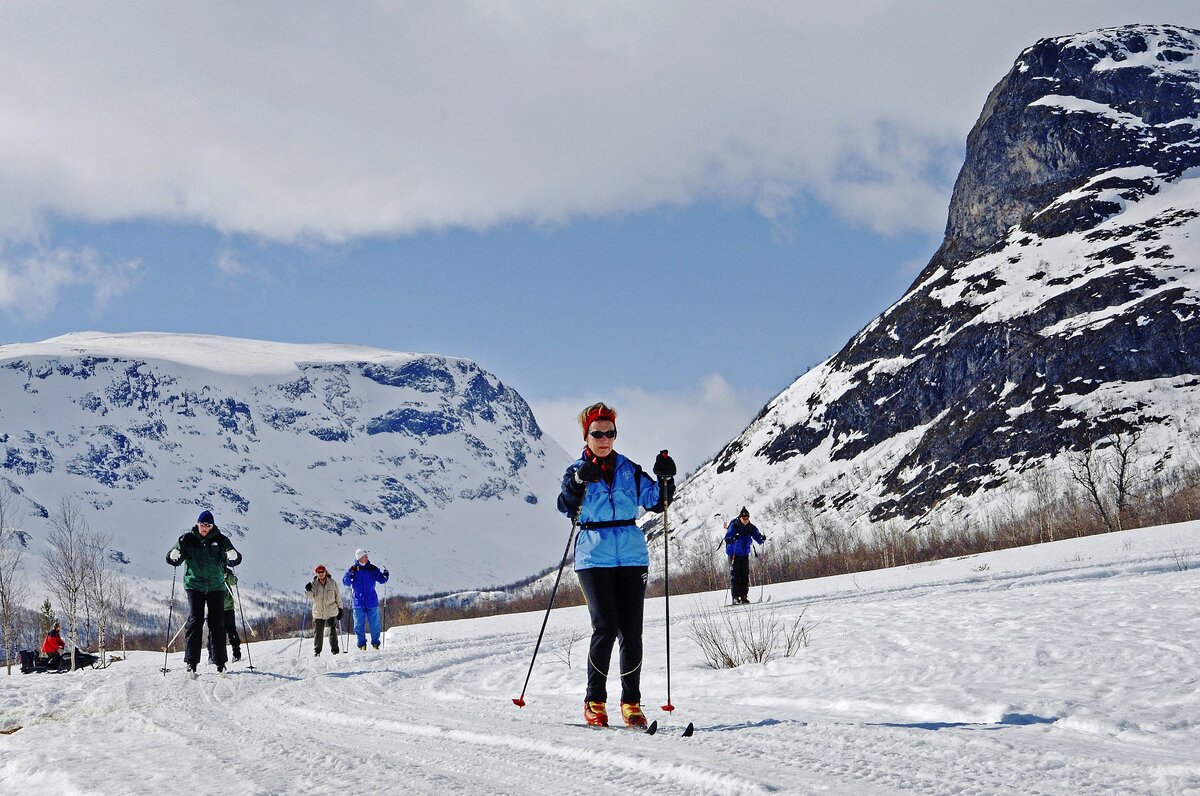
(359, 553)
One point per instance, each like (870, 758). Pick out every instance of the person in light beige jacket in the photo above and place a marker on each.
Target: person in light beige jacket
(326, 597)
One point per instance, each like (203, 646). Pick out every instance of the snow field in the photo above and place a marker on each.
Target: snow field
(1069, 667)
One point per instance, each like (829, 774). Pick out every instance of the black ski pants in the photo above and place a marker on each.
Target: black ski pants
(211, 603)
(615, 599)
(235, 641)
(319, 634)
(739, 576)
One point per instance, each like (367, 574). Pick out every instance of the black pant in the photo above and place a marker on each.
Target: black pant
(615, 598)
(739, 576)
(235, 640)
(319, 634)
(200, 602)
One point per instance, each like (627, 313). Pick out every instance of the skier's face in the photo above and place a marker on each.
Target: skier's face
(204, 528)
(601, 446)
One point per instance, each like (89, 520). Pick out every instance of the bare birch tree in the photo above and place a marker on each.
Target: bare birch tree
(1109, 475)
(98, 582)
(12, 586)
(65, 565)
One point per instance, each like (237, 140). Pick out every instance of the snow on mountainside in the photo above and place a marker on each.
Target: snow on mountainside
(304, 452)
(1063, 305)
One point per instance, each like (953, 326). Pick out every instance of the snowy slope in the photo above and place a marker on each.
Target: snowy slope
(304, 452)
(1064, 668)
(1061, 307)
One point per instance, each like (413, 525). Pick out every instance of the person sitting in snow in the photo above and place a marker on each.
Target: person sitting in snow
(362, 577)
(740, 535)
(53, 646)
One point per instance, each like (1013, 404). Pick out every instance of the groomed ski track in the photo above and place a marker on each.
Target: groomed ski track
(1067, 668)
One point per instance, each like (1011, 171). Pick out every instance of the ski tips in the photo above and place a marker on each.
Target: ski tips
(519, 702)
(653, 728)
(687, 733)
(668, 707)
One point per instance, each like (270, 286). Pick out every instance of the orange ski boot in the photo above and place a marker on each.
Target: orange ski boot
(595, 714)
(633, 715)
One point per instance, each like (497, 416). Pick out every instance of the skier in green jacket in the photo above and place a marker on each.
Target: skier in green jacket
(205, 552)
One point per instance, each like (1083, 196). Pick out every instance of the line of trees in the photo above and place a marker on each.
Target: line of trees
(1106, 487)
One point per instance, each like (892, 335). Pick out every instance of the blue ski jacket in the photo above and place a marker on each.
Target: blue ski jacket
(362, 579)
(738, 537)
(619, 542)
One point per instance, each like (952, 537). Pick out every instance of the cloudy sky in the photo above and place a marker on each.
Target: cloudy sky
(674, 206)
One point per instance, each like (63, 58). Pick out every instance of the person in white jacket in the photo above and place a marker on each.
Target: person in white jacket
(326, 597)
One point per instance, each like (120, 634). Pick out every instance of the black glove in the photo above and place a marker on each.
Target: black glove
(588, 472)
(664, 465)
(764, 537)
(339, 614)
(354, 568)
(308, 586)
(174, 557)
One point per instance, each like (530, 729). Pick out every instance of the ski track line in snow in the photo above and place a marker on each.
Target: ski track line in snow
(643, 765)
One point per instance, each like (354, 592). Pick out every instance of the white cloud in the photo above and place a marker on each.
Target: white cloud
(32, 280)
(693, 424)
(329, 122)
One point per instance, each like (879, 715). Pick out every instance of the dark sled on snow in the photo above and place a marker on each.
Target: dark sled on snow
(33, 662)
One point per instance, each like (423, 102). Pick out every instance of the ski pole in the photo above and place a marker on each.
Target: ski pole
(171, 643)
(520, 701)
(666, 585)
(381, 620)
(170, 616)
(303, 623)
(245, 635)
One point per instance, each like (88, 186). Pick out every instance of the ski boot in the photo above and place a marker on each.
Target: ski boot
(374, 646)
(595, 714)
(191, 671)
(362, 647)
(221, 670)
(237, 655)
(633, 715)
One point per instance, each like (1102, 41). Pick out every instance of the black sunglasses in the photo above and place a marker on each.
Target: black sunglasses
(602, 434)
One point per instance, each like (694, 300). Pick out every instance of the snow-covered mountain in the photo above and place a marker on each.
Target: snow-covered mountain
(1063, 305)
(304, 452)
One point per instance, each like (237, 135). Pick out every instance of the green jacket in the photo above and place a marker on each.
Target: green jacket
(204, 559)
(230, 582)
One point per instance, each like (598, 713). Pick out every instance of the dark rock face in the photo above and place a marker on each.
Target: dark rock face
(1051, 284)
(1024, 153)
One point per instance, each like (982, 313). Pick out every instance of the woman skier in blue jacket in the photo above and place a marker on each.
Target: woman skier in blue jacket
(603, 491)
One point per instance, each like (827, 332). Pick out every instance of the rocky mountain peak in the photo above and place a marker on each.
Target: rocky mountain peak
(1073, 108)
(1063, 305)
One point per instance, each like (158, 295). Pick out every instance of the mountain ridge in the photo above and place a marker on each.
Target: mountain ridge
(429, 461)
(1059, 309)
